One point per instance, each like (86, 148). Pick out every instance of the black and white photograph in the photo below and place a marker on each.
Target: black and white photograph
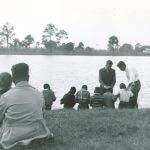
(74, 74)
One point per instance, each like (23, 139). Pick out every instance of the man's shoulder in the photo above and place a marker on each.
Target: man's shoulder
(113, 70)
(102, 69)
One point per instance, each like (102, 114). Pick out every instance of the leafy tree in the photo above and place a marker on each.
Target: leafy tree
(88, 48)
(49, 31)
(37, 44)
(16, 43)
(139, 47)
(113, 43)
(51, 45)
(126, 47)
(80, 46)
(7, 33)
(28, 40)
(1, 41)
(69, 46)
(62, 34)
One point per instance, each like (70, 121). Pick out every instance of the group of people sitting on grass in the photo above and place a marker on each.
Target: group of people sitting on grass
(98, 99)
(22, 107)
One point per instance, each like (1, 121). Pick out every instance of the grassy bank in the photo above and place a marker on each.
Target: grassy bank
(96, 130)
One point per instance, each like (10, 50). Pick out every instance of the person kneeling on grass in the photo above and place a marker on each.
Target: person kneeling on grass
(21, 111)
(69, 99)
(83, 98)
(97, 100)
(124, 96)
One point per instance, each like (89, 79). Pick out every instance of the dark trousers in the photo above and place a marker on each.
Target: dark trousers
(83, 106)
(48, 107)
(135, 90)
(123, 105)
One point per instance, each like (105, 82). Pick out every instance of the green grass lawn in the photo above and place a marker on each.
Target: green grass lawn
(96, 130)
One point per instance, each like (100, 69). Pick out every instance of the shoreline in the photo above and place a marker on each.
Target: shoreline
(31, 51)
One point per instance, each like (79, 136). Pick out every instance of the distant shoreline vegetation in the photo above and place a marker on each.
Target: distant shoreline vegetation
(54, 42)
(43, 51)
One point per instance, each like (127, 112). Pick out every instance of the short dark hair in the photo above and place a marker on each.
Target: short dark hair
(84, 87)
(5, 80)
(72, 90)
(20, 70)
(46, 86)
(97, 90)
(121, 63)
(109, 62)
(122, 86)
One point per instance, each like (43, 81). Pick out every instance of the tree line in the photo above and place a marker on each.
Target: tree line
(53, 38)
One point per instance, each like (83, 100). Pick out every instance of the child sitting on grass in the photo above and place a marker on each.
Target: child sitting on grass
(124, 95)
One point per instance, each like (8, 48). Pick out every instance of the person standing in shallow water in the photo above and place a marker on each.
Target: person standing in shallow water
(68, 99)
(49, 96)
(107, 77)
(134, 82)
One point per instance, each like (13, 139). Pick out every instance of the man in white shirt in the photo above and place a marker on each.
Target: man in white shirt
(134, 82)
(21, 111)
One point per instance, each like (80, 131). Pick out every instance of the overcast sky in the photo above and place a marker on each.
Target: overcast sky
(89, 21)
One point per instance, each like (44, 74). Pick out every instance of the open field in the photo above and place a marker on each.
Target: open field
(96, 130)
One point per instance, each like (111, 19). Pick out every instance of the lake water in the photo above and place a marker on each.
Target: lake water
(62, 72)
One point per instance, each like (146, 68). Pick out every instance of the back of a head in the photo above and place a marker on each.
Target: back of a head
(46, 86)
(84, 87)
(97, 90)
(121, 64)
(122, 86)
(5, 80)
(72, 90)
(20, 72)
(109, 62)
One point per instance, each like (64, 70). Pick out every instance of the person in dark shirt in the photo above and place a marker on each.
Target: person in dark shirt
(49, 96)
(97, 100)
(68, 99)
(5, 82)
(107, 77)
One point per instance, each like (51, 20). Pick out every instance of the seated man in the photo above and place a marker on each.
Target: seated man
(83, 98)
(49, 96)
(21, 111)
(69, 99)
(5, 82)
(97, 100)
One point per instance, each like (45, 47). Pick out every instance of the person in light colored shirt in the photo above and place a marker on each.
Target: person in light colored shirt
(124, 96)
(134, 82)
(21, 111)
